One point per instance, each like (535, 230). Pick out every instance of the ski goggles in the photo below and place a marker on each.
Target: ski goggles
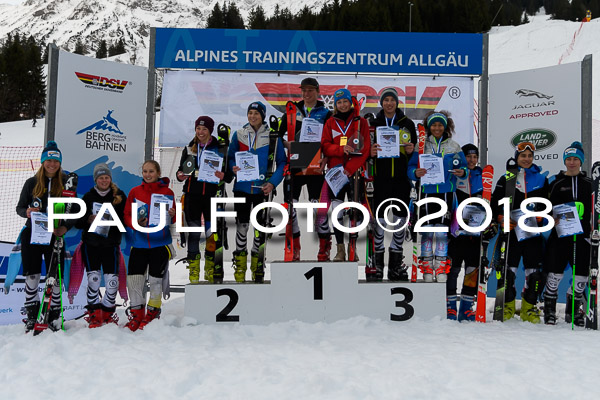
(521, 147)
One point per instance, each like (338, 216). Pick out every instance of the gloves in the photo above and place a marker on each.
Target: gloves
(580, 209)
(512, 223)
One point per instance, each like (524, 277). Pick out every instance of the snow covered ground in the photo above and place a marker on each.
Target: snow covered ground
(359, 358)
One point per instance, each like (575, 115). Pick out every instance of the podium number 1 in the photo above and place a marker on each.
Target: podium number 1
(317, 273)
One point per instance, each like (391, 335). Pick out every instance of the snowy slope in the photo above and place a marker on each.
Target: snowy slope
(64, 21)
(355, 359)
(544, 42)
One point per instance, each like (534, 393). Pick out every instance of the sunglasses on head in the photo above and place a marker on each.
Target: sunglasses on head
(524, 146)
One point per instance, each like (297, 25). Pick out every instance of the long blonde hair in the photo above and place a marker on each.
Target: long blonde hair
(117, 198)
(40, 185)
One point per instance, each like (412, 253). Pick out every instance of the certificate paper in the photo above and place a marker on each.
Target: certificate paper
(101, 230)
(389, 141)
(39, 228)
(155, 201)
(311, 130)
(473, 216)
(336, 179)
(435, 169)
(531, 222)
(210, 162)
(248, 163)
(568, 223)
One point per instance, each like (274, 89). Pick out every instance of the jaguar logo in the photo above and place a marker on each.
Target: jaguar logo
(532, 93)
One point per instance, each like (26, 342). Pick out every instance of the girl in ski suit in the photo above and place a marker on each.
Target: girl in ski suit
(465, 247)
(254, 138)
(440, 128)
(100, 250)
(337, 133)
(150, 251)
(530, 183)
(48, 181)
(570, 186)
(196, 200)
(391, 181)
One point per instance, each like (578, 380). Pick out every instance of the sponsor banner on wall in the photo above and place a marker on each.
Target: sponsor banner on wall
(101, 117)
(332, 51)
(225, 96)
(11, 306)
(538, 106)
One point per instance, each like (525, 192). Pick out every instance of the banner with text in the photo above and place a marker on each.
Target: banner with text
(537, 106)
(225, 96)
(101, 117)
(332, 51)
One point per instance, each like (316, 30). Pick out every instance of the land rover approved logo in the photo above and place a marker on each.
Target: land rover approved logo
(541, 138)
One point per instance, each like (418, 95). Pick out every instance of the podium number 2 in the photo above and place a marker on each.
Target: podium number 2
(317, 273)
(224, 316)
(409, 311)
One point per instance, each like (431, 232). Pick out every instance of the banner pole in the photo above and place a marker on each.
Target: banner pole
(50, 123)
(483, 101)
(150, 99)
(586, 110)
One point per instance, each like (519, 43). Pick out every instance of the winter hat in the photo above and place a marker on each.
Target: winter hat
(388, 92)
(574, 150)
(342, 94)
(206, 122)
(260, 107)
(311, 82)
(101, 169)
(437, 117)
(470, 148)
(51, 152)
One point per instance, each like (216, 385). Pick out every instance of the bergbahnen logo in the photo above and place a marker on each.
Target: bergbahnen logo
(105, 135)
(540, 137)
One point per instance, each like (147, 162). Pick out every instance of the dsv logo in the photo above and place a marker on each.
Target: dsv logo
(532, 93)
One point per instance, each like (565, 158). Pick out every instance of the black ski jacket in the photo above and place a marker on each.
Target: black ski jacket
(567, 189)
(26, 198)
(114, 235)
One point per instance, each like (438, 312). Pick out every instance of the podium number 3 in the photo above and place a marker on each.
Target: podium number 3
(409, 311)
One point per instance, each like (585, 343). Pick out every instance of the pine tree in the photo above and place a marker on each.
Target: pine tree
(216, 18)
(233, 19)
(102, 51)
(80, 48)
(117, 48)
(35, 94)
(257, 18)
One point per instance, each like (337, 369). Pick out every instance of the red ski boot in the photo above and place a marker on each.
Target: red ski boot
(135, 315)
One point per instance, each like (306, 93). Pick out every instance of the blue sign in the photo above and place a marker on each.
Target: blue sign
(330, 51)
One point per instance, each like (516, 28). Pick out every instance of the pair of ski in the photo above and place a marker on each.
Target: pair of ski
(356, 140)
(591, 309)
(414, 215)
(54, 267)
(259, 272)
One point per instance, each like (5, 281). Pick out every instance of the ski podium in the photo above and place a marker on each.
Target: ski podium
(312, 291)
